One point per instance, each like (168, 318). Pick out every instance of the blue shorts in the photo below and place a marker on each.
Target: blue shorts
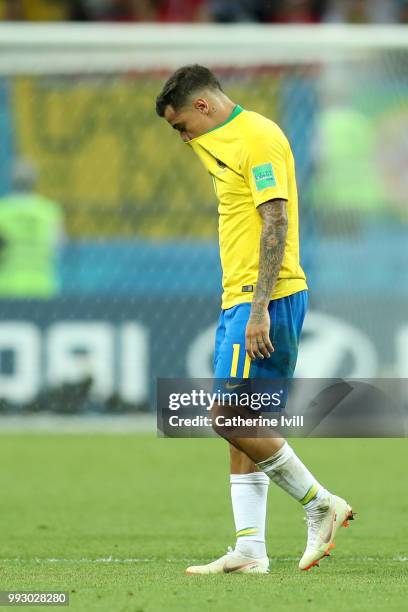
(230, 359)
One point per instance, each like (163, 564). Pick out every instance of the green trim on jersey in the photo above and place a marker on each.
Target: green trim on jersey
(236, 111)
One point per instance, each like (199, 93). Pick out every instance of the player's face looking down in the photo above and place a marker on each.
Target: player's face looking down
(198, 116)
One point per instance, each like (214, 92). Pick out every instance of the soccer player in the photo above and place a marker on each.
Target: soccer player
(263, 304)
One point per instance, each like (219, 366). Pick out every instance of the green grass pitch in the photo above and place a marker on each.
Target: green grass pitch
(115, 519)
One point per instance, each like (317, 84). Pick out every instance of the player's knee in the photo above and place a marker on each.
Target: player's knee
(217, 412)
(221, 417)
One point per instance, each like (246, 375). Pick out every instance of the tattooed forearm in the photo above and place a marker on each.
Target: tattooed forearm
(272, 248)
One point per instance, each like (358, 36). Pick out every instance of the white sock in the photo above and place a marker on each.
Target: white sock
(288, 472)
(249, 494)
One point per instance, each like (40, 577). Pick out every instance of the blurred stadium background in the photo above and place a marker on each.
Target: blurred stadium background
(109, 271)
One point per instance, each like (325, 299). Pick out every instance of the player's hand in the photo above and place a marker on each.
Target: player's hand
(257, 341)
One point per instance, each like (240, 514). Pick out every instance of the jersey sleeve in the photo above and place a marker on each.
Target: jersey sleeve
(264, 167)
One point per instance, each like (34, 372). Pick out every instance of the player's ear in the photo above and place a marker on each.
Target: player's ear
(201, 105)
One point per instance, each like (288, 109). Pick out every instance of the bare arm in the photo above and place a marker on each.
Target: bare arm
(272, 248)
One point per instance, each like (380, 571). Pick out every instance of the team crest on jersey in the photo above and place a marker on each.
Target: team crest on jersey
(264, 176)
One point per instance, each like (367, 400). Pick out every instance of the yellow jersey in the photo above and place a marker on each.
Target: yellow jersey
(251, 162)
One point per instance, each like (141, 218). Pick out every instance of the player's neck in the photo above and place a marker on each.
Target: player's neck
(223, 111)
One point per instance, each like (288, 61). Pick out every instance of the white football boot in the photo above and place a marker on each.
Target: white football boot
(323, 521)
(232, 562)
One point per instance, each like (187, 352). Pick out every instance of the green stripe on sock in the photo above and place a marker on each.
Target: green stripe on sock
(312, 492)
(247, 531)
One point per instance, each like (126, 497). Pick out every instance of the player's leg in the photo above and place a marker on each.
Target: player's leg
(249, 485)
(274, 456)
(325, 512)
(240, 463)
(249, 493)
